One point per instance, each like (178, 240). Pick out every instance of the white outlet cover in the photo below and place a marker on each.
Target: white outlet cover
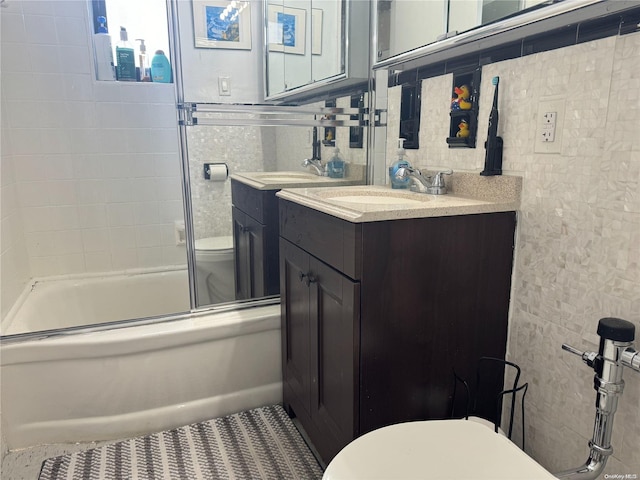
(548, 105)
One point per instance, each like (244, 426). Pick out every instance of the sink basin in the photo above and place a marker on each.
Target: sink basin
(285, 176)
(376, 200)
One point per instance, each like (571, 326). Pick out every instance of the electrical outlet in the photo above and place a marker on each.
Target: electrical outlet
(548, 125)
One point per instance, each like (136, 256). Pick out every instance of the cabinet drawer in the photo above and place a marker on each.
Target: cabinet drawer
(334, 241)
(261, 205)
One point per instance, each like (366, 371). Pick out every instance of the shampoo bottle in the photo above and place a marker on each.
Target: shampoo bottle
(105, 68)
(399, 163)
(160, 68)
(125, 58)
(336, 166)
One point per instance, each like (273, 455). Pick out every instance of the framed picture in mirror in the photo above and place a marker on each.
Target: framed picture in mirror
(316, 31)
(222, 24)
(286, 30)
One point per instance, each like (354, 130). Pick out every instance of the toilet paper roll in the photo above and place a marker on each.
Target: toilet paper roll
(217, 172)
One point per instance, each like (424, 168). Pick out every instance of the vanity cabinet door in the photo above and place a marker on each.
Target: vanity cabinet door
(297, 347)
(320, 332)
(335, 334)
(249, 247)
(255, 239)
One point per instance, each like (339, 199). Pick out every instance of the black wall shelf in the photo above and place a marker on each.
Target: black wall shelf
(465, 111)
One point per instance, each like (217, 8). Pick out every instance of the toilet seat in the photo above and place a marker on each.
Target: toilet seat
(435, 449)
(218, 244)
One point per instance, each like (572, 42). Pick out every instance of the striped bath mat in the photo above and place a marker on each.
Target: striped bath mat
(257, 444)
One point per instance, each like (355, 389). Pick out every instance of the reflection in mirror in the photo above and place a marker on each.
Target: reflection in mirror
(305, 42)
(404, 25)
(235, 228)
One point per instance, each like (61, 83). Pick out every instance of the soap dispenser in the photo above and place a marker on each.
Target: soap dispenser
(399, 163)
(336, 166)
(125, 58)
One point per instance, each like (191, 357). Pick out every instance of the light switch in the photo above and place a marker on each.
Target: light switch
(224, 86)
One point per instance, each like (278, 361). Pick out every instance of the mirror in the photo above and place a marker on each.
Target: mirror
(306, 45)
(405, 25)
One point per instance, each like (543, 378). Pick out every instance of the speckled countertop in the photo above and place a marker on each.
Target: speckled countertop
(469, 194)
(293, 179)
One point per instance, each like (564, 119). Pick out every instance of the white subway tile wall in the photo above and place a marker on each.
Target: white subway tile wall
(577, 251)
(95, 184)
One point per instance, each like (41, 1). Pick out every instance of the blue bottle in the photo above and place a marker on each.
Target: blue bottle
(160, 68)
(399, 163)
(336, 166)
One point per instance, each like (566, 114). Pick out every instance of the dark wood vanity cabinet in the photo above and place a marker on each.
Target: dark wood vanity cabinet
(376, 316)
(255, 241)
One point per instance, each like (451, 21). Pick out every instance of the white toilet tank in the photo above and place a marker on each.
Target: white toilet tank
(215, 276)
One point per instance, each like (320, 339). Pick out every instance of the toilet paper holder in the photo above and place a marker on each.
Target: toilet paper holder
(217, 172)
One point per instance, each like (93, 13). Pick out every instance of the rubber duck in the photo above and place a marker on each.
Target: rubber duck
(463, 131)
(461, 102)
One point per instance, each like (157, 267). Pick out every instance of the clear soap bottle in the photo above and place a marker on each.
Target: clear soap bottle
(336, 166)
(399, 163)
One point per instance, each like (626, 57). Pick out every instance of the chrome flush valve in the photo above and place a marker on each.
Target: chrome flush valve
(616, 352)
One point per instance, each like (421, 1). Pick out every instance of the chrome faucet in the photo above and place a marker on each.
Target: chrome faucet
(315, 162)
(433, 185)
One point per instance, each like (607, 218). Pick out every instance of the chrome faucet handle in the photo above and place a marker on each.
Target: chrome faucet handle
(438, 181)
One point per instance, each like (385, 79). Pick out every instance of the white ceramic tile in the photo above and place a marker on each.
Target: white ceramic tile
(79, 87)
(40, 28)
(12, 28)
(72, 263)
(33, 194)
(144, 189)
(119, 214)
(149, 236)
(62, 192)
(65, 217)
(97, 262)
(76, 60)
(119, 190)
(95, 240)
(49, 87)
(16, 58)
(124, 259)
(39, 244)
(146, 213)
(110, 115)
(44, 58)
(67, 242)
(92, 216)
(72, 31)
(37, 219)
(122, 238)
(44, 266)
(38, 7)
(150, 257)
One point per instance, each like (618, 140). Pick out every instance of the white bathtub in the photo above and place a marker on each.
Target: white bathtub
(62, 303)
(134, 380)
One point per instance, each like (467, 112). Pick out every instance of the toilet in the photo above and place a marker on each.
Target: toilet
(215, 277)
(434, 449)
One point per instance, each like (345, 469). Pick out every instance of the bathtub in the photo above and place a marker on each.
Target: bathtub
(139, 378)
(82, 300)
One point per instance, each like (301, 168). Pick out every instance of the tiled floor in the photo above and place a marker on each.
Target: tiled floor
(25, 464)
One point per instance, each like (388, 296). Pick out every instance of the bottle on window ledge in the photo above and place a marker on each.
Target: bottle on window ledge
(160, 68)
(125, 59)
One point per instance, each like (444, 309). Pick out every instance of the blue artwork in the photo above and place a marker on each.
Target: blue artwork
(288, 23)
(222, 30)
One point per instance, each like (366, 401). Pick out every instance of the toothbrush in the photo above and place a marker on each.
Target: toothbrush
(493, 145)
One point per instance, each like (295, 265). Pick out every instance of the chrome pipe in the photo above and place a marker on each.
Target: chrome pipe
(615, 352)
